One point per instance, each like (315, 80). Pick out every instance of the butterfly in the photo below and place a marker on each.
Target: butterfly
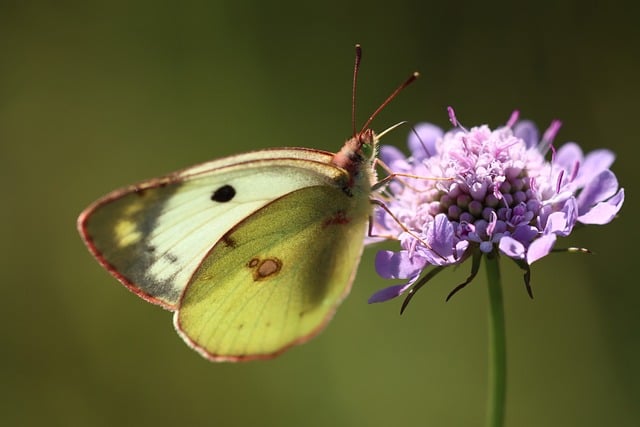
(253, 252)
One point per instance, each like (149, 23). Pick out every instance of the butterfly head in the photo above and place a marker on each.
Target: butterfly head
(357, 157)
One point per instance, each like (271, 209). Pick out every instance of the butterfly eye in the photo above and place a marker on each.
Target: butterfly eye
(223, 194)
(367, 150)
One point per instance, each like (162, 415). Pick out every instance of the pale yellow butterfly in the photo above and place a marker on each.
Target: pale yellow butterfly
(252, 252)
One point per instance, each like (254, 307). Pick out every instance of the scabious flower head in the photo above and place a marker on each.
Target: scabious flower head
(484, 191)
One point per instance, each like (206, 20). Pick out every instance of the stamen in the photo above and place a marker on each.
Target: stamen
(496, 191)
(574, 172)
(553, 157)
(548, 137)
(452, 116)
(513, 119)
(454, 120)
(492, 224)
(552, 131)
(559, 183)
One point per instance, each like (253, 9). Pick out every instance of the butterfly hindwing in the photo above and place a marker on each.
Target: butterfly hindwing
(276, 278)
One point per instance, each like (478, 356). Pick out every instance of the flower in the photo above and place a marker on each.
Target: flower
(469, 193)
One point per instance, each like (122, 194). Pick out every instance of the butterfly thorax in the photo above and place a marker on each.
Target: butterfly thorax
(356, 157)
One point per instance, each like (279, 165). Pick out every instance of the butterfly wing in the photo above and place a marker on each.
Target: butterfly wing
(154, 235)
(276, 278)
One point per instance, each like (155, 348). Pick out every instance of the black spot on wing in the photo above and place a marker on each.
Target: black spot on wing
(223, 194)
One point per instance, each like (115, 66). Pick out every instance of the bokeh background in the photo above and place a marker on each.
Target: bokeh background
(94, 96)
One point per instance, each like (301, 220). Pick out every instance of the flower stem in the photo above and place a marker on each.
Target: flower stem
(497, 347)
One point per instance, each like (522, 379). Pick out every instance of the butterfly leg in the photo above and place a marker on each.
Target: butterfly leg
(404, 227)
(394, 175)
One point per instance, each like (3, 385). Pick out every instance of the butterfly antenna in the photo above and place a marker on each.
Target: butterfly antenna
(386, 102)
(356, 68)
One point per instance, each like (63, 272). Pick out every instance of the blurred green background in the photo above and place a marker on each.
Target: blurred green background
(94, 96)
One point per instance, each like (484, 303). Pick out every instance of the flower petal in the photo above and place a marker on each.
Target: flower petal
(524, 233)
(561, 223)
(440, 235)
(389, 293)
(540, 248)
(595, 162)
(394, 158)
(599, 188)
(604, 212)
(527, 131)
(511, 247)
(398, 265)
(568, 155)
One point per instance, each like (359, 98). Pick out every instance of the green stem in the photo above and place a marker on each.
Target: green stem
(497, 347)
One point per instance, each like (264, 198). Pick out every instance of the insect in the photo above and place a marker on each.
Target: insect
(252, 252)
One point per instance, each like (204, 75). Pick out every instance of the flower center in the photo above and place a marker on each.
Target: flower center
(490, 192)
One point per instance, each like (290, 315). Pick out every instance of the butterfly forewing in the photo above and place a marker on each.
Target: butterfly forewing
(154, 235)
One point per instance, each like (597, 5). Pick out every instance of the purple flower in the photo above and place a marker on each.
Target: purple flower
(484, 191)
